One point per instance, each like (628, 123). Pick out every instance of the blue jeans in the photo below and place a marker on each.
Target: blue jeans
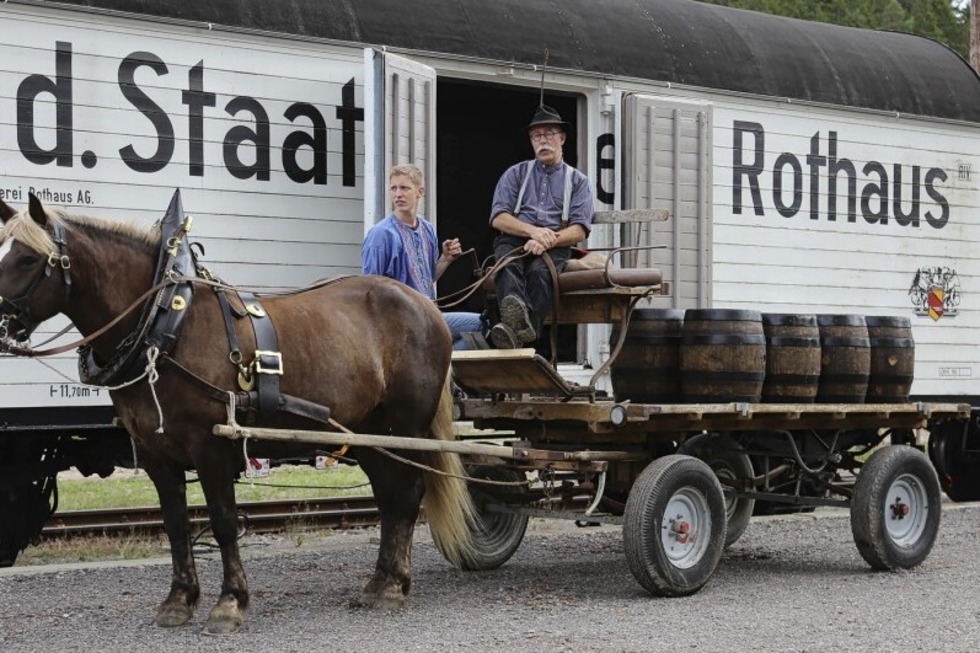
(460, 323)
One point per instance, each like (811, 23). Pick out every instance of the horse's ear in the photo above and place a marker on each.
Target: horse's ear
(6, 212)
(37, 210)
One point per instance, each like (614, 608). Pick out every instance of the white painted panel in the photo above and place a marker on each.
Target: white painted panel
(778, 250)
(209, 109)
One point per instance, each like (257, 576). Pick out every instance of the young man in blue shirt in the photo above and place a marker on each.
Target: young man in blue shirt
(404, 247)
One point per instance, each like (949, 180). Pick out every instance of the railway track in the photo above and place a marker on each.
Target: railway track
(255, 516)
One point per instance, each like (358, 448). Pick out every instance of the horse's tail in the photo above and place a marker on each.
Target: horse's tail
(449, 508)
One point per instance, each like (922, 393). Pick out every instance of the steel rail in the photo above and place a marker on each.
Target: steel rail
(256, 516)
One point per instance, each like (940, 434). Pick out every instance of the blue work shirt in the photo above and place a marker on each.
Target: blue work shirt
(393, 249)
(541, 205)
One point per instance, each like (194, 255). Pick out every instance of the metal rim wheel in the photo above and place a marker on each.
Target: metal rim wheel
(499, 534)
(674, 526)
(729, 461)
(895, 509)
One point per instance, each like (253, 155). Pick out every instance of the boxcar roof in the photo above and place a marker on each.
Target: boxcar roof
(678, 41)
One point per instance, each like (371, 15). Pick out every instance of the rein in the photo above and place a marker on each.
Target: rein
(464, 293)
(35, 353)
(517, 253)
(175, 279)
(27, 352)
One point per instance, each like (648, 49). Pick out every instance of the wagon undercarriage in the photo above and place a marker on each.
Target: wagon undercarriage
(683, 480)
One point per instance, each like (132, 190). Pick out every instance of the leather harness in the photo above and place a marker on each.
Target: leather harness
(178, 270)
(163, 313)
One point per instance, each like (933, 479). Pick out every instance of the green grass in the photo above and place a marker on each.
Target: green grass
(137, 546)
(126, 489)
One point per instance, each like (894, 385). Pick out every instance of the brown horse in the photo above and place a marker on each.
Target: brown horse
(372, 350)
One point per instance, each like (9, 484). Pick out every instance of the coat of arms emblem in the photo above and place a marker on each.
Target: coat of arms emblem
(935, 292)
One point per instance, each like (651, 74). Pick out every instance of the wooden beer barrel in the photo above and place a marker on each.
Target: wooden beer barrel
(723, 356)
(845, 359)
(892, 359)
(792, 358)
(646, 369)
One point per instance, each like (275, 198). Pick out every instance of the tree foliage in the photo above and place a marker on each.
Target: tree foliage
(947, 21)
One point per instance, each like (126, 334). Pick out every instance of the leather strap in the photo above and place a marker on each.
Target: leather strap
(566, 194)
(555, 307)
(229, 314)
(248, 402)
(267, 363)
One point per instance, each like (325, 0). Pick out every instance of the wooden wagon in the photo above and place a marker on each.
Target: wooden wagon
(683, 479)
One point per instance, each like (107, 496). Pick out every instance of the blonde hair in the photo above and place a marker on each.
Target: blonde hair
(407, 170)
(23, 228)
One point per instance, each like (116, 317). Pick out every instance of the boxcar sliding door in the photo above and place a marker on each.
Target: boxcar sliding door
(399, 127)
(667, 165)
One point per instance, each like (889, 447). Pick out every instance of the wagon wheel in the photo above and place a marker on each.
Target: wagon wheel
(500, 533)
(729, 462)
(895, 509)
(674, 526)
(947, 450)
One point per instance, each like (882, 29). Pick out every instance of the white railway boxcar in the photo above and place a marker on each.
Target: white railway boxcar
(807, 167)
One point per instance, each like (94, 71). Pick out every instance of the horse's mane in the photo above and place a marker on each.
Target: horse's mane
(24, 229)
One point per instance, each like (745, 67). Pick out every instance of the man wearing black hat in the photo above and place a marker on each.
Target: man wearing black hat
(541, 207)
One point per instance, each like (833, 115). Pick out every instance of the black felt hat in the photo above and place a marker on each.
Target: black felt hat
(545, 115)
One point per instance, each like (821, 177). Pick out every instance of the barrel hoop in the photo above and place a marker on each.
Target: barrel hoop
(789, 319)
(722, 315)
(795, 379)
(841, 320)
(748, 339)
(720, 376)
(886, 321)
(891, 379)
(787, 341)
(659, 314)
(900, 343)
(845, 342)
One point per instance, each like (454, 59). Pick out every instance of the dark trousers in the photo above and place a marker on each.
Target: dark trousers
(528, 278)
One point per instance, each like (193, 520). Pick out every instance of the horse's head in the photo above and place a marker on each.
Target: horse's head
(34, 268)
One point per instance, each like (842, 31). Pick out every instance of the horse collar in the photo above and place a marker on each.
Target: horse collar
(160, 322)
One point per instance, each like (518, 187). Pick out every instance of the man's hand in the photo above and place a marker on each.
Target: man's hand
(534, 247)
(451, 249)
(544, 236)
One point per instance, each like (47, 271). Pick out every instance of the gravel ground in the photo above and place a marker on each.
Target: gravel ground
(790, 584)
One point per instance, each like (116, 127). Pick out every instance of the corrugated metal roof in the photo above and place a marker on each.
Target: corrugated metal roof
(680, 41)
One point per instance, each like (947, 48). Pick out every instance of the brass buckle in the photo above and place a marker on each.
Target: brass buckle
(262, 369)
(55, 259)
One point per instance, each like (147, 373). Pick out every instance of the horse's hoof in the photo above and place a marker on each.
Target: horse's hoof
(390, 600)
(225, 618)
(173, 615)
